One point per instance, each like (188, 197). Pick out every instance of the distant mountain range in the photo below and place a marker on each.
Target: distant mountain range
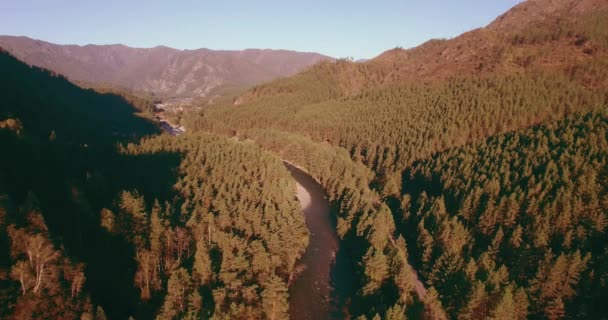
(161, 70)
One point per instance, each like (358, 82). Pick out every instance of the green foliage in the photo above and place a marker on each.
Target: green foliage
(274, 299)
(390, 128)
(396, 312)
(364, 222)
(49, 283)
(182, 300)
(59, 142)
(502, 222)
(238, 224)
(526, 208)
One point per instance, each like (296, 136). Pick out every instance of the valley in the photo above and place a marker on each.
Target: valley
(464, 178)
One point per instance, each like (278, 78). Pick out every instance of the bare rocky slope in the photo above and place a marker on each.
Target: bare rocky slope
(161, 70)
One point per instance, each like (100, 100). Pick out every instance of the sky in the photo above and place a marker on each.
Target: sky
(357, 29)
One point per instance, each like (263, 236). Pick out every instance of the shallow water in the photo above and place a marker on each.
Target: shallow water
(319, 289)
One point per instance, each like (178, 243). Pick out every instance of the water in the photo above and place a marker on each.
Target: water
(319, 290)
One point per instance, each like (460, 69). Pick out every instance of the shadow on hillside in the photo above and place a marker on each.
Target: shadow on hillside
(66, 156)
(72, 188)
(110, 259)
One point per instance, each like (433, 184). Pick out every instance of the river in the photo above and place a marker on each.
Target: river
(321, 288)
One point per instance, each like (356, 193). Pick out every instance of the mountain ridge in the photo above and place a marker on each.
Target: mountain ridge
(559, 36)
(161, 70)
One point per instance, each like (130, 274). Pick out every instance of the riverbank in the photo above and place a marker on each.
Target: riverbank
(303, 195)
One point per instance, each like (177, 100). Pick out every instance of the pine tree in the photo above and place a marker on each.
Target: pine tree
(100, 314)
(396, 312)
(107, 220)
(516, 237)
(521, 303)
(202, 263)
(274, 299)
(555, 309)
(505, 309)
(179, 289)
(375, 266)
(477, 303)
(433, 309)
(133, 220)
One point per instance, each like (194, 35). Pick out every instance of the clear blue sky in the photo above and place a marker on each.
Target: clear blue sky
(359, 29)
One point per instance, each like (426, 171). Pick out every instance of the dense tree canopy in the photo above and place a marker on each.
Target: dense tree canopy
(166, 227)
(516, 220)
(478, 196)
(388, 129)
(238, 230)
(371, 142)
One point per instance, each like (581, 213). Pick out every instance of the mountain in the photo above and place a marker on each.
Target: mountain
(560, 36)
(532, 12)
(548, 35)
(161, 70)
(520, 75)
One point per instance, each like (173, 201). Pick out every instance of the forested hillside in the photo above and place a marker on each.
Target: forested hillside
(468, 179)
(389, 121)
(58, 141)
(377, 136)
(97, 223)
(565, 37)
(231, 245)
(515, 225)
(388, 129)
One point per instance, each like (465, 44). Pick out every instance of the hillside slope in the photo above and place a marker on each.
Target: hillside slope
(560, 36)
(161, 70)
(96, 220)
(45, 102)
(58, 140)
(405, 105)
(519, 216)
(479, 161)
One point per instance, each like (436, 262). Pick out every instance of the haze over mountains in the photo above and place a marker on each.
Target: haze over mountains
(161, 70)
